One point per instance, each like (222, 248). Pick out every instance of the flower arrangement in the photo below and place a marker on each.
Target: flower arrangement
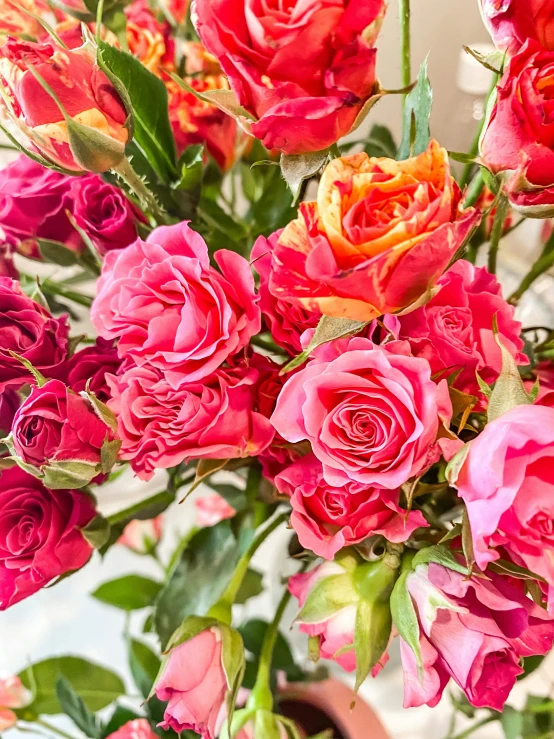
(338, 366)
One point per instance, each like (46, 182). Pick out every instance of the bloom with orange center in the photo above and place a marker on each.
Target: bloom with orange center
(147, 38)
(378, 238)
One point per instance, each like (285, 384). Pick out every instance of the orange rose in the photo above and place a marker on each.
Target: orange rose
(378, 238)
(15, 21)
(147, 38)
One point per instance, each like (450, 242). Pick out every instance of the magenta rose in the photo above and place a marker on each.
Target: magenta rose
(9, 403)
(7, 267)
(286, 321)
(213, 418)
(302, 70)
(507, 484)
(171, 309)
(108, 218)
(473, 630)
(454, 330)
(371, 415)
(33, 204)
(59, 435)
(328, 518)
(139, 728)
(29, 330)
(512, 22)
(40, 534)
(89, 366)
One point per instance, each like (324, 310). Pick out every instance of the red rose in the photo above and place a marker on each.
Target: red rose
(512, 22)
(40, 536)
(89, 366)
(302, 69)
(7, 267)
(29, 330)
(9, 403)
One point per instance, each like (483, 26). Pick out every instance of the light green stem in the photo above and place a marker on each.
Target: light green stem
(405, 44)
(478, 725)
(147, 199)
(502, 209)
(542, 265)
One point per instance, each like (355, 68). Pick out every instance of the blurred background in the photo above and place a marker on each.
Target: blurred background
(66, 620)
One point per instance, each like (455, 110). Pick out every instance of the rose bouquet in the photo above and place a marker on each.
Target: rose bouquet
(333, 363)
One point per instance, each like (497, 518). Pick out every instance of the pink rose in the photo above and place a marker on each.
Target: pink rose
(138, 729)
(507, 484)
(328, 518)
(142, 536)
(33, 204)
(371, 416)
(40, 534)
(286, 321)
(108, 218)
(211, 509)
(304, 70)
(7, 267)
(9, 403)
(170, 309)
(60, 434)
(454, 331)
(473, 630)
(90, 366)
(213, 418)
(29, 330)
(194, 684)
(13, 694)
(512, 22)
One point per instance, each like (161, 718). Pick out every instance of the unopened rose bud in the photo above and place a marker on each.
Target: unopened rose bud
(142, 536)
(13, 694)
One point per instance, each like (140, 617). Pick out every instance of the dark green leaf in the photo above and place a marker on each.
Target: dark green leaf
(512, 722)
(73, 705)
(252, 585)
(57, 253)
(130, 593)
(381, 142)
(144, 665)
(530, 664)
(417, 111)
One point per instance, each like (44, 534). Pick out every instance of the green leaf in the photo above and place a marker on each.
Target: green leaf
(96, 685)
(187, 190)
(198, 579)
(417, 111)
(149, 101)
(330, 595)
(405, 619)
(251, 586)
(296, 168)
(253, 633)
(73, 705)
(371, 636)
(441, 555)
(69, 475)
(328, 329)
(97, 532)
(144, 666)
(512, 722)
(57, 253)
(129, 593)
(380, 142)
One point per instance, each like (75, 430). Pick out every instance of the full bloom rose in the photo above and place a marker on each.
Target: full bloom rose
(108, 218)
(371, 416)
(194, 684)
(13, 694)
(512, 22)
(171, 309)
(33, 204)
(89, 367)
(507, 484)
(84, 91)
(147, 38)
(473, 630)
(519, 136)
(454, 331)
(286, 321)
(29, 330)
(212, 418)
(142, 537)
(376, 241)
(139, 728)
(303, 70)
(211, 509)
(328, 518)
(53, 428)
(40, 534)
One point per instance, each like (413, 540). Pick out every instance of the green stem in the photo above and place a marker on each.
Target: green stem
(53, 729)
(497, 232)
(542, 265)
(474, 727)
(334, 151)
(475, 189)
(405, 43)
(147, 199)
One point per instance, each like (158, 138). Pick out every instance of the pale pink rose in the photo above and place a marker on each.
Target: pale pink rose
(454, 330)
(213, 418)
(171, 309)
(194, 684)
(142, 536)
(473, 630)
(13, 694)
(507, 484)
(328, 518)
(211, 509)
(137, 729)
(371, 415)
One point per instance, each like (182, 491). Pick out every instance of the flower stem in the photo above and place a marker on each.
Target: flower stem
(542, 265)
(405, 43)
(474, 190)
(497, 231)
(147, 199)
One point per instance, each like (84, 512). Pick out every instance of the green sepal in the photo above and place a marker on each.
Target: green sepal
(266, 725)
(97, 531)
(108, 454)
(405, 618)
(509, 390)
(296, 168)
(68, 474)
(329, 596)
(91, 149)
(371, 636)
(40, 379)
(440, 555)
(101, 409)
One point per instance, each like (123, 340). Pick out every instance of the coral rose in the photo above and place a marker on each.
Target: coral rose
(88, 368)
(137, 729)
(302, 70)
(211, 509)
(376, 241)
(142, 537)
(40, 534)
(371, 416)
(13, 694)
(512, 22)
(171, 309)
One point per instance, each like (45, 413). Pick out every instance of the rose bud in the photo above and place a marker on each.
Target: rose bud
(512, 22)
(142, 537)
(87, 128)
(376, 241)
(30, 331)
(137, 729)
(88, 368)
(13, 694)
(518, 135)
(199, 675)
(211, 509)
(41, 534)
(302, 73)
(63, 438)
(474, 630)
